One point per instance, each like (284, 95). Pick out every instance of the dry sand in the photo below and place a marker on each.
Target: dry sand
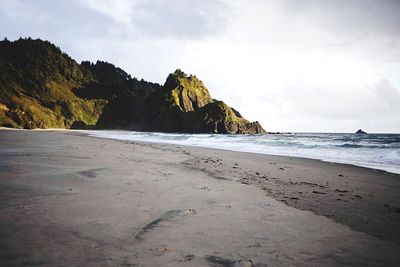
(72, 200)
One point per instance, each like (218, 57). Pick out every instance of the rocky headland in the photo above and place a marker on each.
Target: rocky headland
(42, 87)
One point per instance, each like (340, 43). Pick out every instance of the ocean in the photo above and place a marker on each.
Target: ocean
(377, 151)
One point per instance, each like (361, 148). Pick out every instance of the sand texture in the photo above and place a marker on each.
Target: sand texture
(71, 200)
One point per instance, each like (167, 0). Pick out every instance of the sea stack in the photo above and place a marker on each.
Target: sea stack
(361, 132)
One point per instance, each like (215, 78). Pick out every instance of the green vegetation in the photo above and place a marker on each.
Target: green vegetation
(36, 87)
(188, 93)
(42, 87)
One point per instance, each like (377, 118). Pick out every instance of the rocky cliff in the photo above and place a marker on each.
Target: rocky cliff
(185, 105)
(42, 87)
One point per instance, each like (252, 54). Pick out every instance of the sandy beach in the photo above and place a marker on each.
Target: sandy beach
(67, 199)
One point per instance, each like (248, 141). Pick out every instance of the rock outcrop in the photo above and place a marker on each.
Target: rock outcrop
(186, 92)
(361, 132)
(185, 105)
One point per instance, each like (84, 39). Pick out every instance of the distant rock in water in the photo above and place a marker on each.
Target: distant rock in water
(361, 132)
(42, 87)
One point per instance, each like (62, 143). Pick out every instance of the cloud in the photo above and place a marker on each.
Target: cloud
(59, 21)
(294, 65)
(120, 10)
(181, 19)
(351, 102)
(386, 98)
(366, 26)
(121, 19)
(328, 108)
(348, 17)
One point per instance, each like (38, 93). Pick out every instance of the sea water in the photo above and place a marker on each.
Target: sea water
(377, 151)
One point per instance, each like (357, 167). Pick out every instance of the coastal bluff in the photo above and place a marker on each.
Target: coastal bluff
(42, 87)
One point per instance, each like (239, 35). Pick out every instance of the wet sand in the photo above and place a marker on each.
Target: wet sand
(67, 199)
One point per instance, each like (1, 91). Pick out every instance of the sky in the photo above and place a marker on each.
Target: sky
(305, 66)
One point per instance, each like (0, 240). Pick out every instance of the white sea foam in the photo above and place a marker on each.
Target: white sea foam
(378, 151)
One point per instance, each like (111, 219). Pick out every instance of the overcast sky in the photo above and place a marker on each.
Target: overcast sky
(325, 66)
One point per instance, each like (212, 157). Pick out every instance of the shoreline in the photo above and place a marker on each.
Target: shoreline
(388, 169)
(85, 133)
(85, 199)
(383, 171)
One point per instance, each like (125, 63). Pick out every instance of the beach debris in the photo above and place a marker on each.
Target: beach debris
(220, 261)
(246, 263)
(256, 245)
(312, 184)
(164, 249)
(190, 211)
(187, 258)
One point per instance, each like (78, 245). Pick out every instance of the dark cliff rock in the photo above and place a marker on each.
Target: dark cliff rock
(42, 87)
